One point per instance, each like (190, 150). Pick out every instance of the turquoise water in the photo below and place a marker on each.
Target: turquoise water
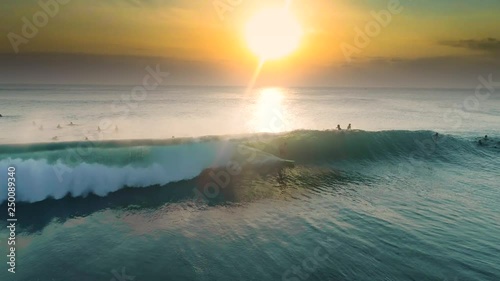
(371, 204)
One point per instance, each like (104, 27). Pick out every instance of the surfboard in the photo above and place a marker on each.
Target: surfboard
(288, 163)
(267, 159)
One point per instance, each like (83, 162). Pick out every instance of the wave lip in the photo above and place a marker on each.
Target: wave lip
(329, 146)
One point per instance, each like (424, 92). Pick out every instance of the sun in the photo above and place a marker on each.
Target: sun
(273, 34)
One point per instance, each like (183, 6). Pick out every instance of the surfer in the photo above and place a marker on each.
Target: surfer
(282, 149)
(435, 136)
(338, 127)
(349, 127)
(282, 153)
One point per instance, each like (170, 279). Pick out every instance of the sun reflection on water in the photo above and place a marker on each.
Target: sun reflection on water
(270, 111)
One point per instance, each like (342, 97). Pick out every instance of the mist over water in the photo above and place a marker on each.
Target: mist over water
(33, 113)
(385, 201)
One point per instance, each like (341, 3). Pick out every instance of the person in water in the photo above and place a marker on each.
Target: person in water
(486, 137)
(338, 127)
(349, 127)
(282, 149)
(282, 153)
(1, 115)
(435, 136)
(480, 142)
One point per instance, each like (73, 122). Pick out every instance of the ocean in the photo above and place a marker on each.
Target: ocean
(229, 183)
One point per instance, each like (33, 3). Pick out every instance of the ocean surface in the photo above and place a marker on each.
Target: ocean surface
(198, 183)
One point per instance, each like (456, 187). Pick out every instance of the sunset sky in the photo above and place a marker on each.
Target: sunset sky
(446, 43)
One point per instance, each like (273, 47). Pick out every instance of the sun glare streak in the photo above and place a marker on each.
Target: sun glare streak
(255, 76)
(272, 34)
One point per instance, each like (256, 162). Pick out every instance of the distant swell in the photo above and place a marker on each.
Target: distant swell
(56, 170)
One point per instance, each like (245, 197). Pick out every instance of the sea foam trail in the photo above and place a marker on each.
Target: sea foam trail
(58, 169)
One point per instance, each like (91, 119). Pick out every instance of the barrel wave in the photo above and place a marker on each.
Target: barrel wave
(80, 168)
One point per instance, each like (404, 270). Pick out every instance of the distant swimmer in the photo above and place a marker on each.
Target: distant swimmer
(480, 142)
(338, 127)
(486, 137)
(59, 126)
(349, 127)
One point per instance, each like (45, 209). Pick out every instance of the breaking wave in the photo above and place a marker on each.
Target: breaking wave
(79, 168)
